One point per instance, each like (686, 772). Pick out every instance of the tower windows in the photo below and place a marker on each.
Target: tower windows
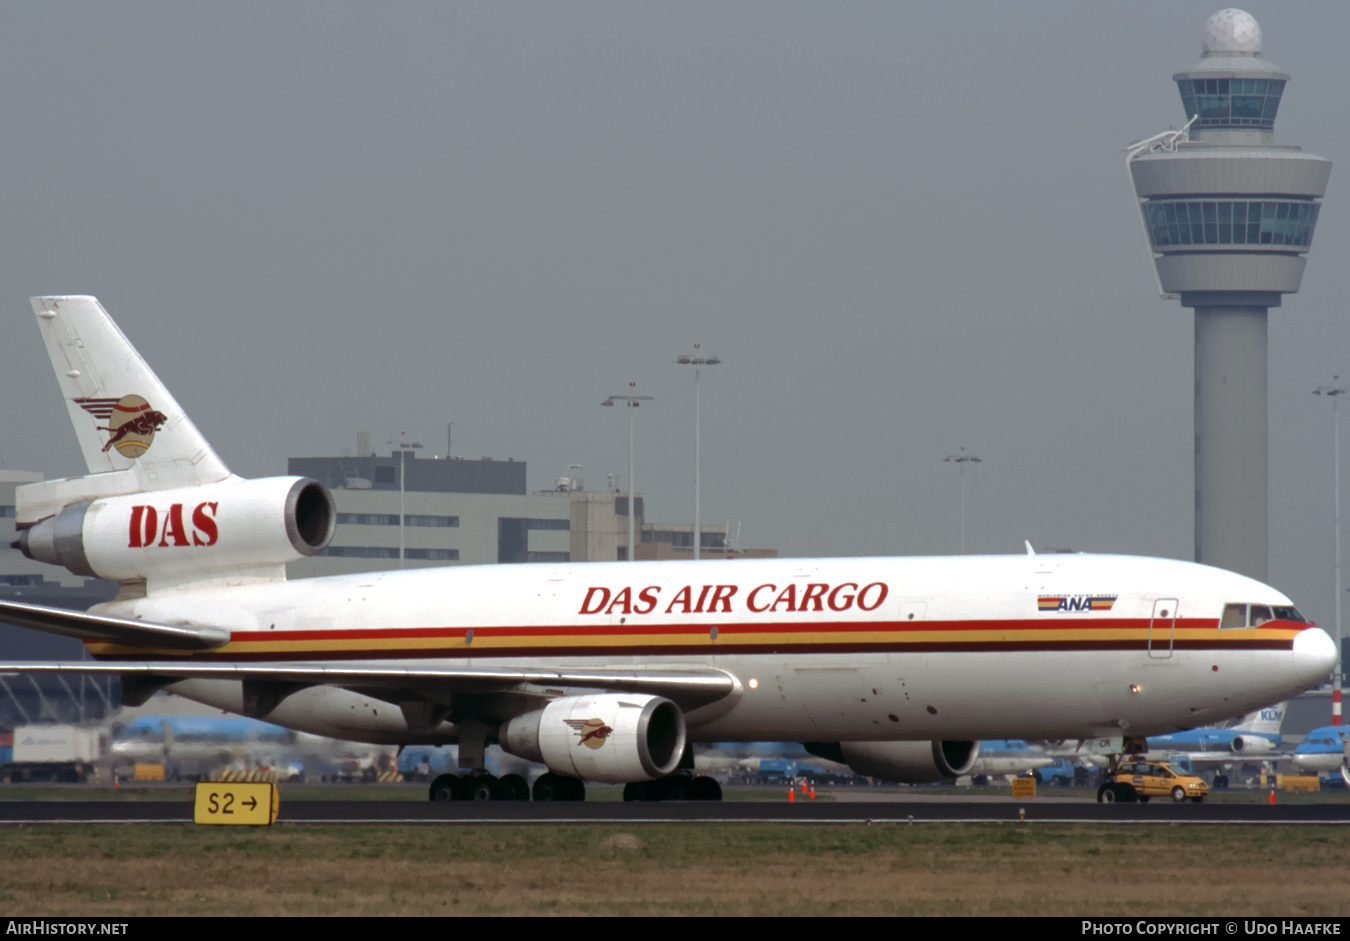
(1230, 222)
(1231, 102)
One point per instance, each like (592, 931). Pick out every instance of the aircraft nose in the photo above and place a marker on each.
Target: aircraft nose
(1314, 655)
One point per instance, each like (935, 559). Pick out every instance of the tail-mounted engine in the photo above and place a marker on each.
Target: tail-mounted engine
(1250, 745)
(613, 738)
(234, 525)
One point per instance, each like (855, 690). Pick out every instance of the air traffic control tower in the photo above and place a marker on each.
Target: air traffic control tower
(1229, 216)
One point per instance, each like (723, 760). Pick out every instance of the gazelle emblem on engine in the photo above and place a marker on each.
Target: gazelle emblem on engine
(131, 423)
(592, 732)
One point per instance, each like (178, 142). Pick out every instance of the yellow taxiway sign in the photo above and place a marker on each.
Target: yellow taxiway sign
(238, 803)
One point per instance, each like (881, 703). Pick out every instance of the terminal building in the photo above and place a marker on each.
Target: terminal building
(451, 511)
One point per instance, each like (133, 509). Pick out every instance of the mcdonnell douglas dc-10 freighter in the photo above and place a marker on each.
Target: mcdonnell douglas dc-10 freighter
(606, 672)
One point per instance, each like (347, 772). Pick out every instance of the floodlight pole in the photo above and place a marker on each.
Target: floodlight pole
(630, 402)
(1332, 392)
(697, 361)
(961, 459)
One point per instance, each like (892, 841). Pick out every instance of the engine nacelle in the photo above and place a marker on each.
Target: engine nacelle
(1251, 745)
(613, 738)
(232, 525)
(911, 762)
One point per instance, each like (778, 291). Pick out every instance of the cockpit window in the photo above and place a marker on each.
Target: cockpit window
(1254, 615)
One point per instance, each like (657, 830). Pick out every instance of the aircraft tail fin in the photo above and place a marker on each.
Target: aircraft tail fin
(133, 434)
(1265, 721)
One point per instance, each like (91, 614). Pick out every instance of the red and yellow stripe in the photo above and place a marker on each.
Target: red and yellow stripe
(780, 637)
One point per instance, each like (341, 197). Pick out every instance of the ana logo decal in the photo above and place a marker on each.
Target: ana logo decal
(131, 423)
(1075, 602)
(592, 732)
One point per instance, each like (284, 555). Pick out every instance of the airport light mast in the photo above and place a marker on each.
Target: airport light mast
(1229, 218)
(697, 361)
(1332, 392)
(961, 459)
(630, 402)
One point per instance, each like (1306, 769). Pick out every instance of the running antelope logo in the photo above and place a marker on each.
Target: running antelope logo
(592, 732)
(131, 423)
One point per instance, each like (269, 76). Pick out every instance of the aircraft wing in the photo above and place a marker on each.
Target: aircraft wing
(87, 626)
(689, 689)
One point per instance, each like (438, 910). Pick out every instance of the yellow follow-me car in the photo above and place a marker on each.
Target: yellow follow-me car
(1137, 779)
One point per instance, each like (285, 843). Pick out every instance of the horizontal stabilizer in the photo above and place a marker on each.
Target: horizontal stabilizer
(689, 689)
(112, 630)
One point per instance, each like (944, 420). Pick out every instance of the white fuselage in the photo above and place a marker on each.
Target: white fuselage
(1059, 646)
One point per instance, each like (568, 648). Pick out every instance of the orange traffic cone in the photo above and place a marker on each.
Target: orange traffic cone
(792, 795)
(813, 792)
(1272, 796)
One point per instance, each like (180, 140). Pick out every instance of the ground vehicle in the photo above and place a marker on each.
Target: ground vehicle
(1061, 773)
(1137, 779)
(57, 753)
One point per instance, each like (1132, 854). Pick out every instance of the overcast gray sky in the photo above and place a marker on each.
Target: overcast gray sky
(905, 228)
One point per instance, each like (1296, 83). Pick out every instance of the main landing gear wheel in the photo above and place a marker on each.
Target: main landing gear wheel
(478, 787)
(557, 787)
(707, 789)
(486, 787)
(676, 787)
(516, 786)
(443, 788)
(1111, 793)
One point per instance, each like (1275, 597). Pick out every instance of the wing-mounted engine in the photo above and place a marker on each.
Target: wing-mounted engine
(613, 738)
(215, 530)
(906, 762)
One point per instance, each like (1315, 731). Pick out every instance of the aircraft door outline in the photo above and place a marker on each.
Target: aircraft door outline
(1161, 627)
